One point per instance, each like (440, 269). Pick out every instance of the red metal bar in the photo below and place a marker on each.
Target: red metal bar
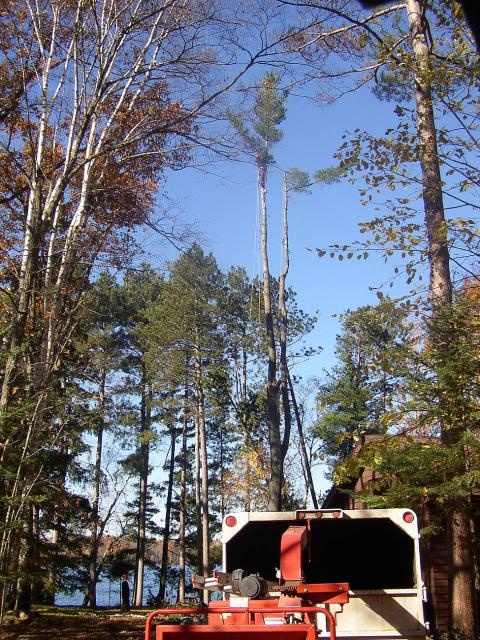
(325, 593)
(246, 610)
(236, 632)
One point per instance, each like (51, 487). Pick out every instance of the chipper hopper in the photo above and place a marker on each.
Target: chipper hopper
(307, 575)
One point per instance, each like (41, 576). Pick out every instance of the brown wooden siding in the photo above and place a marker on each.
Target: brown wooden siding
(434, 552)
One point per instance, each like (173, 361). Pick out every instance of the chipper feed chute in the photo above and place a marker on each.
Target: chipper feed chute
(309, 575)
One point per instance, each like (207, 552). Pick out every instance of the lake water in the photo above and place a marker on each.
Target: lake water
(108, 592)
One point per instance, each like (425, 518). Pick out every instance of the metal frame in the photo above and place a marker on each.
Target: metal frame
(186, 632)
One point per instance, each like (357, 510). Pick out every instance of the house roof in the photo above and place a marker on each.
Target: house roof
(336, 493)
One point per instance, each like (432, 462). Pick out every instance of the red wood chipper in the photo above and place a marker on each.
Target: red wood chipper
(289, 575)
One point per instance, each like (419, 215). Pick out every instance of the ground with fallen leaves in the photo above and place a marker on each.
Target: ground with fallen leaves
(65, 623)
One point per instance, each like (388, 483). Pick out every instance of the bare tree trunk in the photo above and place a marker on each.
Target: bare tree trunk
(183, 493)
(94, 541)
(168, 511)
(198, 490)
(143, 489)
(202, 431)
(438, 254)
(23, 600)
(273, 413)
(283, 333)
(36, 586)
(306, 461)
(246, 431)
(462, 604)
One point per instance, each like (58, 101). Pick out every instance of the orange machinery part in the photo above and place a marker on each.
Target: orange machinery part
(315, 594)
(264, 618)
(292, 544)
(240, 631)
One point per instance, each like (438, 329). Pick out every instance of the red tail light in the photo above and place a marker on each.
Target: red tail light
(230, 521)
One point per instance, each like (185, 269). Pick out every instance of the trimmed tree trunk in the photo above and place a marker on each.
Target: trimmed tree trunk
(246, 432)
(273, 413)
(462, 605)
(283, 333)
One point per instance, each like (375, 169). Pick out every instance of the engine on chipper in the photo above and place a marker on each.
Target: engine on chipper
(312, 574)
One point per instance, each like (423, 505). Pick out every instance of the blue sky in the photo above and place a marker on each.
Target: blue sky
(221, 200)
(223, 203)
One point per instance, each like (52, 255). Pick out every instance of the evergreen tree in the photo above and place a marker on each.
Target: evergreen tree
(185, 323)
(359, 393)
(242, 377)
(142, 289)
(99, 347)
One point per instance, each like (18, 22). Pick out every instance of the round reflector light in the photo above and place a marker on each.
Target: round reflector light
(230, 521)
(408, 517)
(301, 515)
(336, 514)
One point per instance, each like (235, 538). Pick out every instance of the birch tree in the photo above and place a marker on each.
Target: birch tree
(98, 99)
